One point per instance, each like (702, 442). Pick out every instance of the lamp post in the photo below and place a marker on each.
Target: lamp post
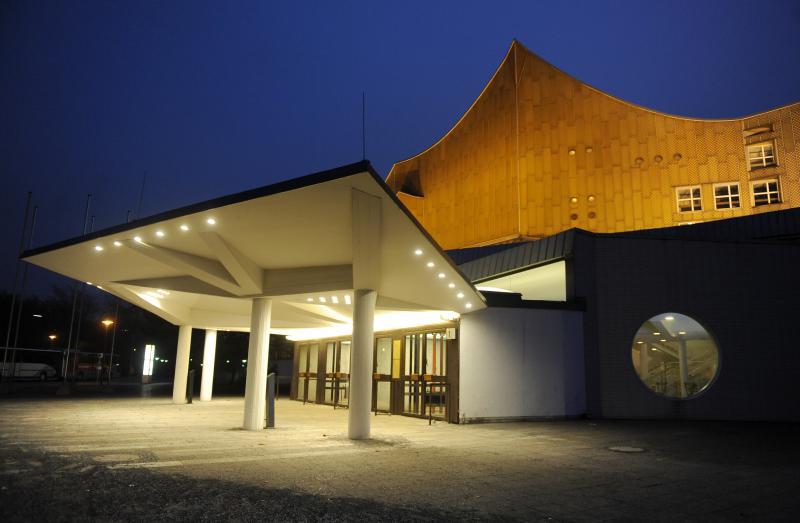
(107, 323)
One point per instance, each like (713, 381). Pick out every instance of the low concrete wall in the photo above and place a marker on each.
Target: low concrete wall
(521, 364)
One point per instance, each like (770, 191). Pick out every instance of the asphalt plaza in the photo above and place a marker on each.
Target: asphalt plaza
(133, 458)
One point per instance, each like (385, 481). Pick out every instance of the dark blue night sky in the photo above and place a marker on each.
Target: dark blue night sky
(211, 98)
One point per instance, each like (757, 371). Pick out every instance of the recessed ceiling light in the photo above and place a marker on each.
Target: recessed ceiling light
(347, 299)
(430, 264)
(441, 275)
(653, 349)
(639, 342)
(184, 227)
(460, 295)
(669, 318)
(137, 239)
(656, 334)
(117, 244)
(88, 283)
(468, 305)
(322, 299)
(664, 340)
(681, 332)
(335, 299)
(98, 248)
(160, 234)
(451, 285)
(99, 287)
(211, 221)
(37, 315)
(309, 299)
(418, 252)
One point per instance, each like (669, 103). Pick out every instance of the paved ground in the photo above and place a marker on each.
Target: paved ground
(144, 459)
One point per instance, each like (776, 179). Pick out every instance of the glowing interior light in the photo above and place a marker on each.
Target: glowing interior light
(669, 318)
(88, 283)
(37, 315)
(639, 342)
(160, 234)
(98, 248)
(244, 361)
(347, 299)
(418, 252)
(99, 287)
(653, 349)
(322, 299)
(162, 291)
(460, 295)
(117, 244)
(430, 264)
(309, 299)
(211, 221)
(335, 299)
(137, 239)
(682, 333)
(184, 227)
(451, 285)
(468, 305)
(663, 340)
(656, 334)
(441, 275)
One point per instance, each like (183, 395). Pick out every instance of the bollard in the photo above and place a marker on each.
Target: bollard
(272, 384)
(190, 387)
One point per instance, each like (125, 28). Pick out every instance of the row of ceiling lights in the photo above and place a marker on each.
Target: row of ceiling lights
(441, 276)
(346, 299)
(159, 233)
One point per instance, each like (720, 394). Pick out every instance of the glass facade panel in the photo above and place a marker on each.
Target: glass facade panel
(674, 355)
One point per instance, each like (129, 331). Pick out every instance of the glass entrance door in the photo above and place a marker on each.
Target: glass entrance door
(337, 373)
(302, 367)
(312, 373)
(425, 374)
(382, 376)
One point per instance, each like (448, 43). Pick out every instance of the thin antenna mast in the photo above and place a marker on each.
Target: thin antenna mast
(141, 195)
(363, 125)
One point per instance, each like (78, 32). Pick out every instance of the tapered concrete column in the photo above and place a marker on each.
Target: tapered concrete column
(644, 360)
(358, 419)
(255, 390)
(209, 353)
(683, 366)
(182, 364)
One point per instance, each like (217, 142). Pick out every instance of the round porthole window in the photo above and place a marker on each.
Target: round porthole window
(675, 356)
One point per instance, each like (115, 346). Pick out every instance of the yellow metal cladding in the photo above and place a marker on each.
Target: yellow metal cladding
(539, 152)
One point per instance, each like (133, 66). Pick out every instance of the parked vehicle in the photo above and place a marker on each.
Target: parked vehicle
(29, 371)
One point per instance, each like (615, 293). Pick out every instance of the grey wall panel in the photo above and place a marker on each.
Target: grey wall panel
(521, 363)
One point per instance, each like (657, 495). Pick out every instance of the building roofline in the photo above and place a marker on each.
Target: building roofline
(510, 53)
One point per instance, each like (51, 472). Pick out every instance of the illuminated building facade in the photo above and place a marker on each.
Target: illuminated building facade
(568, 288)
(540, 152)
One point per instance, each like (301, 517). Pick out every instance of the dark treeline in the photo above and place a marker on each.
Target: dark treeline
(49, 315)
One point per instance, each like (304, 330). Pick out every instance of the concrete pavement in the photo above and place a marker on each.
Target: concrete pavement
(194, 460)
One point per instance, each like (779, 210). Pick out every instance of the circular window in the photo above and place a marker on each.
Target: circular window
(674, 355)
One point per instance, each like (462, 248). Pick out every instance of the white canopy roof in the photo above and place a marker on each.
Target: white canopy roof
(293, 241)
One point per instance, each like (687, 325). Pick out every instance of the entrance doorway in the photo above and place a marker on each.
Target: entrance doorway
(308, 362)
(337, 373)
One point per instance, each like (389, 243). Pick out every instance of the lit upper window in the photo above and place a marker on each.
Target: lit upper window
(726, 196)
(761, 155)
(765, 192)
(689, 199)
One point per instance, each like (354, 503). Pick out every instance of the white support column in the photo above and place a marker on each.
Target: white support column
(182, 364)
(255, 391)
(358, 419)
(366, 282)
(209, 353)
